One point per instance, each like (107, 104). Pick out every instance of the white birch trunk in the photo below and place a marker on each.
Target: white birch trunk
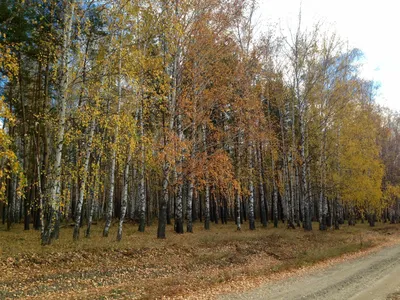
(189, 210)
(162, 217)
(238, 224)
(252, 224)
(124, 200)
(293, 172)
(50, 230)
(261, 187)
(94, 204)
(304, 168)
(133, 194)
(142, 193)
(78, 211)
(323, 208)
(274, 193)
(110, 200)
(179, 204)
(207, 185)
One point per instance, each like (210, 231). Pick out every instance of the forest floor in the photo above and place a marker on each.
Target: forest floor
(199, 265)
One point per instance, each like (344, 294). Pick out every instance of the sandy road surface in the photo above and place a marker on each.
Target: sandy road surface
(376, 276)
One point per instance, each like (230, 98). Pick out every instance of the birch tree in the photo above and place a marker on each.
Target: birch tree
(51, 223)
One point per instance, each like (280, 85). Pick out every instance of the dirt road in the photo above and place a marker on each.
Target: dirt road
(376, 276)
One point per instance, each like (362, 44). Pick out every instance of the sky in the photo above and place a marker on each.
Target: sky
(371, 26)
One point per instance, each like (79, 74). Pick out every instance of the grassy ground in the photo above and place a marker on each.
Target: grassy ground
(143, 267)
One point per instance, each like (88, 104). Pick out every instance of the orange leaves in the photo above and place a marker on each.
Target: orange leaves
(218, 166)
(220, 169)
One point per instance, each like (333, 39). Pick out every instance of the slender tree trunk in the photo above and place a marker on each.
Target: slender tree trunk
(322, 199)
(238, 204)
(274, 183)
(304, 167)
(10, 200)
(162, 216)
(84, 177)
(310, 204)
(134, 193)
(274, 194)
(261, 188)
(172, 70)
(94, 188)
(91, 206)
(142, 193)
(124, 200)
(207, 207)
(286, 196)
(179, 193)
(110, 200)
(189, 211)
(294, 185)
(40, 194)
(297, 204)
(163, 213)
(23, 138)
(252, 225)
(207, 185)
(51, 230)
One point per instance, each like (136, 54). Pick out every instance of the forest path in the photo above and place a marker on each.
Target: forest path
(375, 276)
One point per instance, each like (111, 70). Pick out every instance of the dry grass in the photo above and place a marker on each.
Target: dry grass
(143, 267)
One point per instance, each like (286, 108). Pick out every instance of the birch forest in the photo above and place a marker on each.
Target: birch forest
(170, 113)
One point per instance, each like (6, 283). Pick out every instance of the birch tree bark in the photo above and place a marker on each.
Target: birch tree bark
(124, 198)
(288, 191)
(322, 197)
(207, 184)
(84, 177)
(179, 205)
(110, 200)
(274, 193)
(189, 210)
(142, 188)
(50, 230)
(252, 224)
(238, 203)
(93, 190)
(162, 216)
(295, 188)
(171, 69)
(261, 187)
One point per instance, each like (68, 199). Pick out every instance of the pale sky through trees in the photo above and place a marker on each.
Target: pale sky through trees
(368, 25)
